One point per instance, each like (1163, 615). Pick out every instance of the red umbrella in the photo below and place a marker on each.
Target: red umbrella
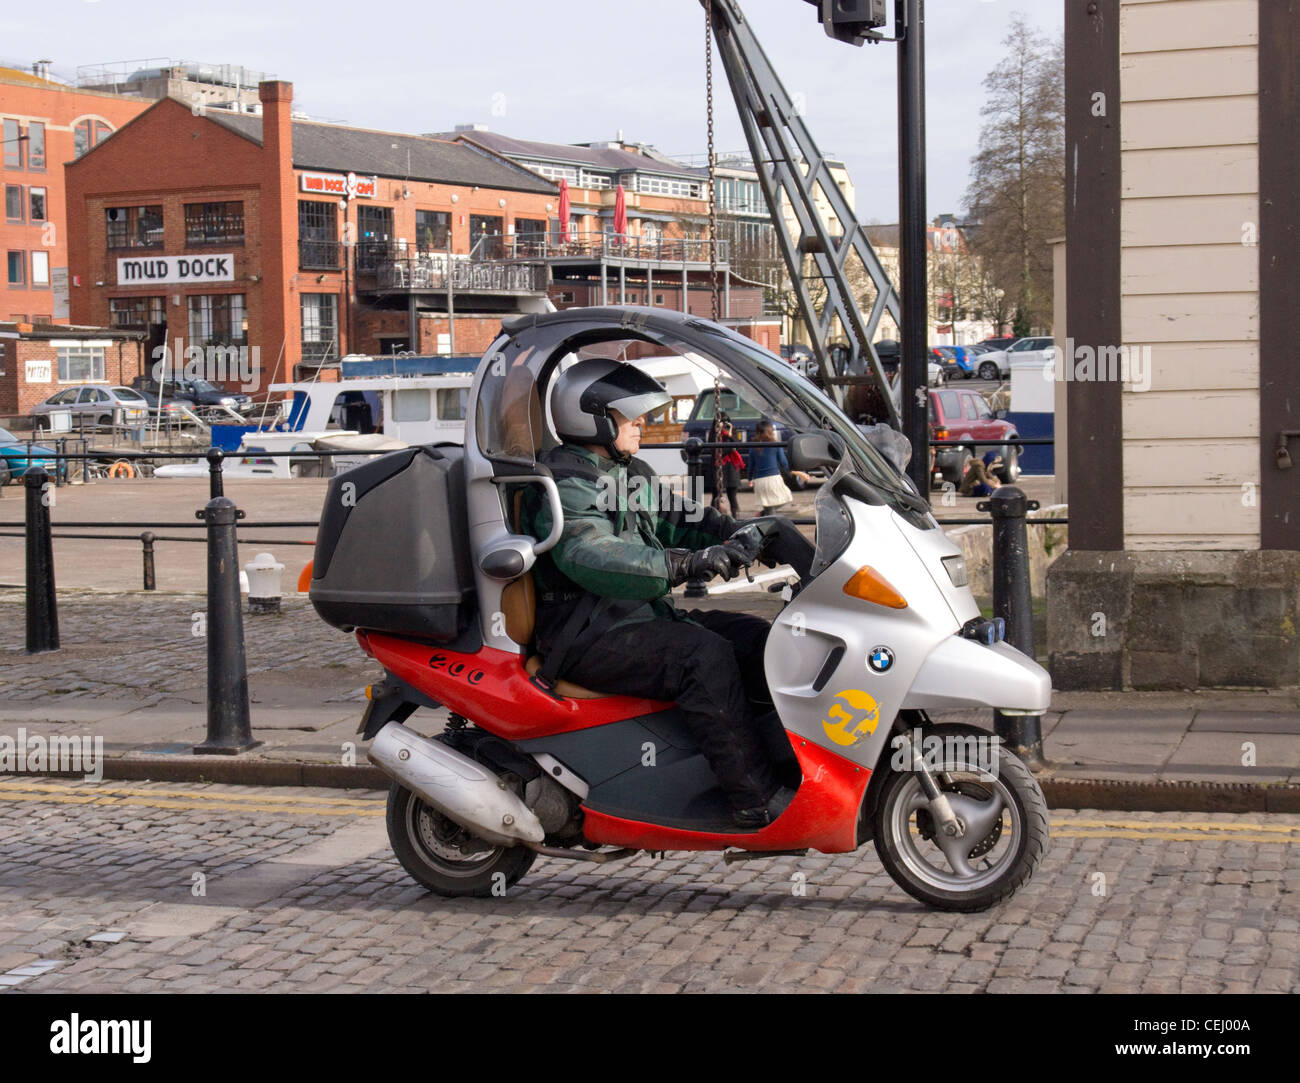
(564, 210)
(620, 212)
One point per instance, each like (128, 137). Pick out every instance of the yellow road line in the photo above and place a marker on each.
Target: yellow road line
(1188, 825)
(1174, 836)
(168, 803)
(36, 787)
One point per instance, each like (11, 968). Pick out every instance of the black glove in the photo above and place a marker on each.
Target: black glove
(684, 564)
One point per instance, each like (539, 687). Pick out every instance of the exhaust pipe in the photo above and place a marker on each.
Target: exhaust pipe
(456, 786)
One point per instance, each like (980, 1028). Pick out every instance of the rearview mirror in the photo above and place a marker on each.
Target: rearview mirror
(810, 450)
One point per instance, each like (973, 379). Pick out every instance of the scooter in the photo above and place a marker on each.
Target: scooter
(420, 553)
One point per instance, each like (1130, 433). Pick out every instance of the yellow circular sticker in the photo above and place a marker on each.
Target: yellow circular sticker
(855, 719)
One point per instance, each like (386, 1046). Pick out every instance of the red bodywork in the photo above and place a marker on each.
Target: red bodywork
(492, 688)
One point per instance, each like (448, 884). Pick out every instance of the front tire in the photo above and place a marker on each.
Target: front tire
(445, 858)
(1004, 806)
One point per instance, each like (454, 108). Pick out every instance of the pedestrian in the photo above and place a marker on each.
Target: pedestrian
(981, 475)
(732, 463)
(768, 466)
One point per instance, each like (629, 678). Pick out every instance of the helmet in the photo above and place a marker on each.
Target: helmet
(586, 393)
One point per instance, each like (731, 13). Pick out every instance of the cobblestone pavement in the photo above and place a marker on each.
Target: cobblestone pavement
(145, 647)
(150, 887)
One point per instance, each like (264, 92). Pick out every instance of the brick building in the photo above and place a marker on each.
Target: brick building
(45, 124)
(297, 242)
(36, 361)
(663, 259)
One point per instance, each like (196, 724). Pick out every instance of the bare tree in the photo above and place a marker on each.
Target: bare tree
(1017, 187)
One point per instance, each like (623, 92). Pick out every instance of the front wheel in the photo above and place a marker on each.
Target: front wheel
(1000, 806)
(989, 371)
(444, 857)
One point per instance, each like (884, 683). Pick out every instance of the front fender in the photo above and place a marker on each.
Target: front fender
(965, 673)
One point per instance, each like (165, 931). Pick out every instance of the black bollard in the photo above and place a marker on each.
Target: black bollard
(60, 463)
(146, 543)
(229, 731)
(42, 606)
(695, 588)
(215, 486)
(1013, 601)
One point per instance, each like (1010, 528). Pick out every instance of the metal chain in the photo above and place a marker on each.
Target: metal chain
(713, 257)
(713, 163)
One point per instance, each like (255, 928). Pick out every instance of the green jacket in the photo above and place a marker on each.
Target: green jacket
(613, 541)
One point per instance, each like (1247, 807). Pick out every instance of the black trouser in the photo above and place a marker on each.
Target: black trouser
(708, 671)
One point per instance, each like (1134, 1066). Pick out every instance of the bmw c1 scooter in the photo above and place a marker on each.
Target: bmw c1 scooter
(420, 553)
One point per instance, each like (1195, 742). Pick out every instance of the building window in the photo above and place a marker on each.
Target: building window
(13, 144)
(17, 268)
(13, 202)
(452, 402)
(134, 227)
(216, 319)
(36, 146)
(318, 235)
(134, 312)
(659, 298)
(566, 297)
(37, 200)
(87, 134)
(81, 364)
(41, 269)
(374, 236)
(214, 223)
(486, 228)
(320, 325)
(411, 404)
(666, 187)
(431, 230)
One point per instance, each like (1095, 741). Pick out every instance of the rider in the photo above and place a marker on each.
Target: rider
(604, 615)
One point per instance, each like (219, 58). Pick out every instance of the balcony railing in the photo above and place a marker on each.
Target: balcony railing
(430, 272)
(320, 255)
(594, 245)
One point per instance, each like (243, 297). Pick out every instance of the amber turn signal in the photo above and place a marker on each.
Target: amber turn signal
(869, 585)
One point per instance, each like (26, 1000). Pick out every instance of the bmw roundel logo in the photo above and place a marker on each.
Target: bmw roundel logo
(881, 659)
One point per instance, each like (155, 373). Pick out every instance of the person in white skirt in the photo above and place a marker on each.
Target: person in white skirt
(768, 467)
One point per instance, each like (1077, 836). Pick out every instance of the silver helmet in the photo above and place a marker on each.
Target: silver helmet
(585, 394)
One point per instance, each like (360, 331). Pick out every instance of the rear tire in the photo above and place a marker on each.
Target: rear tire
(429, 846)
(957, 471)
(901, 821)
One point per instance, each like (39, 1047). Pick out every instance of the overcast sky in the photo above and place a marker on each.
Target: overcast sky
(563, 71)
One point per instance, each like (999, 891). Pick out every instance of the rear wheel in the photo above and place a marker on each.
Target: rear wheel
(1001, 808)
(446, 858)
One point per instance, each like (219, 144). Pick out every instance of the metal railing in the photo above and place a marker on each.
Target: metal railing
(622, 246)
(438, 272)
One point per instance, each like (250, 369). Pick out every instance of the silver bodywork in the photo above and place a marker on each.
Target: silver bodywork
(850, 710)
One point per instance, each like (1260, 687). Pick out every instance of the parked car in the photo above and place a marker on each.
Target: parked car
(198, 392)
(961, 415)
(171, 404)
(17, 457)
(961, 359)
(997, 363)
(93, 404)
